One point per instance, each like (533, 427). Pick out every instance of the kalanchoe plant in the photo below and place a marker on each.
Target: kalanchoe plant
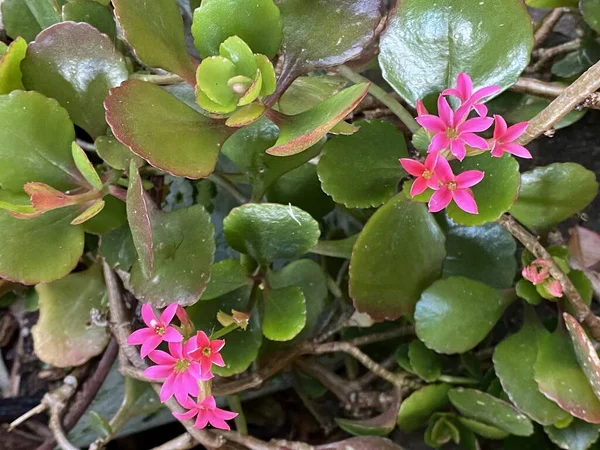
(281, 180)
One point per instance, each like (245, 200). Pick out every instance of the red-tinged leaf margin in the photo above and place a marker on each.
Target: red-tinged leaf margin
(585, 352)
(138, 216)
(361, 443)
(380, 425)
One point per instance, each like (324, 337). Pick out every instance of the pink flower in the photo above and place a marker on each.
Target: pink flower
(504, 137)
(555, 288)
(425, 173)
(451, 130)
(158, 329)
(207, 352)
(454, 188)
(180, 372)
(537, 271)
(206, 412)
(464, 92)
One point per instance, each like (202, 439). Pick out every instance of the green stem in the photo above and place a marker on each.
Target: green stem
(235, 405)
(223, 331)
(224, 183)
(384, 97)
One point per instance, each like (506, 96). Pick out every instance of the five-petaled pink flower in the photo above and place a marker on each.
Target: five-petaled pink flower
(452, 131)
(504, 138)
(180, 371)
(206, 412)
(455, 188)
(207, 352)
(158, 329)
(464, 92)
(537, 271)
(424, 173)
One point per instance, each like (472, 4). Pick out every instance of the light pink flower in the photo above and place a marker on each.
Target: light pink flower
(206, 412)
(421, 110)
(537, 271)
(455, 188)
(424, 173)
(180, 372)
(505, 137)
(555, 288)
(207, 352)
(464, 92)
(451, 130)
(158, 329)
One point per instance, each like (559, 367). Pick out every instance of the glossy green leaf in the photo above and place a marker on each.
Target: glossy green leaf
(325, 33)
(514, 361)
(495, 194)
(85, 167)
(590, 10)
(39, 250)
(112, 216)
(441, 430)
(483, 429)
(163, 130)
(115, 154)
(213, 91)
(30, 151)
(426, 45)
(269, 231)
(528, 292)
(384, 282)
(425, 362)
(420, 405)
(184, 248)
(560, 378)
(307, 92)
(380, 425)
(285, 313)
(299, 132)
(579, 435)
(257, 22)
(92, 12)
(485, 408)
(551, 194)
(155, 31)
(455, 314)
(226, 276)
(10, 66)
(63, 335)
(361, 443)
(92, 211)
(551, 3)
(241, 347)
(586, 354)
(140, 221)
(27, 18)
(246, 115)
(118, 249)
(362, 170)
(3, 48)
(341, 248)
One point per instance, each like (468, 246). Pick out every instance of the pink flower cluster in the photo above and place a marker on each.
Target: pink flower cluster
(538, 273)
(452, 134)
(186, 366)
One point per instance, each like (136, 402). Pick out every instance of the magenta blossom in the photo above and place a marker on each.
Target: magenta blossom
(424, 173)
(505, 137)
(207, 352)
(181, 373)
(454, 188)
(464, 92)
(158, 329)
(451, 130)
(206, 412)
(537, 271)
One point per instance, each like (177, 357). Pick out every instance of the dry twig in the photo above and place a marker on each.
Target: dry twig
(543, 89)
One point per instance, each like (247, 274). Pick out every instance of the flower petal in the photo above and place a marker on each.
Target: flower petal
(166, 391)
(464, 85)
(148, 315)
(418, 186)
(162, 358)
(138, 337)
(499, 126)
(190, 346)
(202, 340)
(438, 142)
(481, 110)
(176, 350)
(172, 335)
(431, 161)
(439, 200)
(217, 345)
(432, 123)
(218, 423)
(217, 360)
(186, 415)
(465, 200)
(475, 125)
(201, 420)
(150, 344)
(445, 112)
(189, 384)
(475, 141)
(209, 402)
(167, 315)
(414, 168)
(469, 178)
(514, 132)
(158, 372)
(421, 110)
(443, 170)
(453, 92)
(458, 149)
(484, 92)
(517, 150)
(224, 414)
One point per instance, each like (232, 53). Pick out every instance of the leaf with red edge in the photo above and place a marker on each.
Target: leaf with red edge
(361, 443)
(155, 31)
(586, 354)
(163, 130)
(380, 425)
(10, 66)
(138, 215)
(299, 132)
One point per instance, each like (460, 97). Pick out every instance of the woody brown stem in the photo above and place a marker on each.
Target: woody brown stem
(533, 86)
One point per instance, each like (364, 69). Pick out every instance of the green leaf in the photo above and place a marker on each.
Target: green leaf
(138, 215)
(306, 92)
(514, 361)
(163, 130)
(213, 91)
(241, 348)
(560, 378)
(341, 248)
(590, 10)
(285, 313)
(115, 154)
(92, 12)
(246, 115)
(455, 314)
(92, 211)
(528, 292)
(362, 170)
(10, 66)
(184, 248)
(441, 430)
(586, 354)
(470, 37)
(64, 336)
(425, 362)
(551, 3)
(583, 285)
(112, 216)
(487, 409)
(27, 18)
(29, 151)
(380, 425)
(420, 405)
(258, 23)
(269, 231)
(39, 250)
(579, 435)
(551, 194)
(485, 253)
(483, 429)
(299, 132)
(118, 249)
(325, 33)
(226, 276)
(155, 31)
(385, 282)
(495, 194)
(361, 443)
(85, 167)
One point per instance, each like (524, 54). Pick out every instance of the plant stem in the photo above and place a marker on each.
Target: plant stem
(223, 331)
(547, 24)
(224, 183)
(544, 89)
(235, 405)
(400, 111)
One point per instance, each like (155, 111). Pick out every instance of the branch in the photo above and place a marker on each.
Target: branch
(541, 88)
(56, 401)
(182, 442)
(547, 25)
(546, 55)
(582, 311)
